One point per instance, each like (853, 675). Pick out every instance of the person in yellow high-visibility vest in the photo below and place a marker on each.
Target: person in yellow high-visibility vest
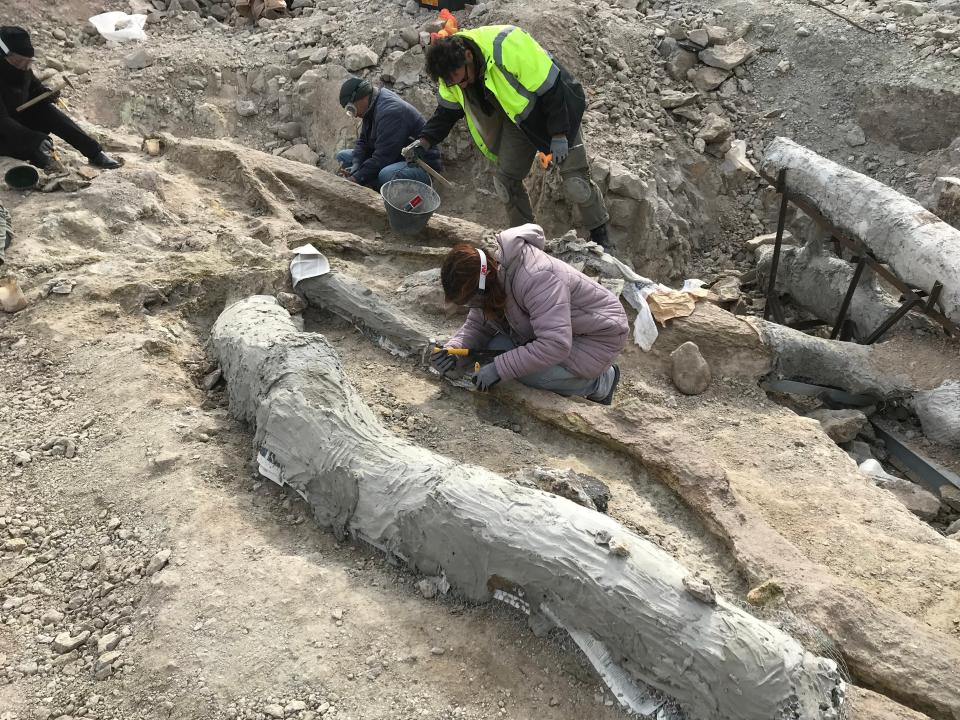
(517, 100)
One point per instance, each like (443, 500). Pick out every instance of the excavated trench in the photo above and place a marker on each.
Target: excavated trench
(698, 477)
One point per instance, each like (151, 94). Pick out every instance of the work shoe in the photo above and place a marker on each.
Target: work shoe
(600, 237)
(104, 161)
(608, 400)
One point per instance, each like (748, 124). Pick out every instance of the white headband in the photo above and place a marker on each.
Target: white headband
(6, 50)
(483, 270)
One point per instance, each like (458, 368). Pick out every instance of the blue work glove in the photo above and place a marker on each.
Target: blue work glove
(559, 149)
(442, 361)
(487, 377)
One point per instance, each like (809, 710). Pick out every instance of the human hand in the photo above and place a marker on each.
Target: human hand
(559, 149)
(487, 377)
(415, 150)
(442, 361)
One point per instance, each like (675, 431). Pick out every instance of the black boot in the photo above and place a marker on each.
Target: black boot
(104, 161)
(600, 237)
(608, 400)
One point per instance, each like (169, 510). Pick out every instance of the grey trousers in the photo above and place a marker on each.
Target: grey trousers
(516, 155)
(557, 379)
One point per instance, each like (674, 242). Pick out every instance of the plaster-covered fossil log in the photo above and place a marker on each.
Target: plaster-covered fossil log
(576, 566)
(919, 246)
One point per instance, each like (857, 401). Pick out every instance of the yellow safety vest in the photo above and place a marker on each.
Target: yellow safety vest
(517, 71)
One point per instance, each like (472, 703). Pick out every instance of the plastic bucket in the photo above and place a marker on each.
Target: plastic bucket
(19, 176)
(409, 204)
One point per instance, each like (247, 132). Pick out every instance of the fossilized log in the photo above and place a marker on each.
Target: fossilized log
(294, 191)
(886, 649)
(818, 282)
(481, 530)
(918, 245)
(357, 304)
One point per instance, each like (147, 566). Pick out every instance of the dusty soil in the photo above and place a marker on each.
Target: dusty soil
(254, 607)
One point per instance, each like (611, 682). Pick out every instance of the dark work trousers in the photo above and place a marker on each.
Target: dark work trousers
(48, 118)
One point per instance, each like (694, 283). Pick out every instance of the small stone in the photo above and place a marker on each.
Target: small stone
(320, 56)
(765, 593)
(113, 524)
(437, 651)
(358, 57)
(51, 617)
(428, 588)
(783, 67)
(727, 57)
(680, 63)
(950, 496)
(104, 665)
(841, 426)
(301, 153)
(21, 458)
(691, 373)
(139, 59)
(246, 108)
(337, 614)
(618, 549)
(554, 701)
(295, 706)
(28, 668)
(158, 562)
(671, 99)
(700, 588)
(289, 130)
(699, 36)
(65, 642)
(89, 562)
(209, 382)
(706, 79)
(108, 642)
(855, 136)
(274, 711)
(953, 528)
(291, 302)
(15, 545)
(715, 129)
(802, 32)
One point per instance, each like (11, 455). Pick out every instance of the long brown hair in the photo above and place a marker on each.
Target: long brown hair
(460, 277)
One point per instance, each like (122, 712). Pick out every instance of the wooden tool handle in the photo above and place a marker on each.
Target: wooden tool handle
(38, 99)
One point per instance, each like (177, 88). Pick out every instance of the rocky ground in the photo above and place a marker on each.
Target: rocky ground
(147, 571)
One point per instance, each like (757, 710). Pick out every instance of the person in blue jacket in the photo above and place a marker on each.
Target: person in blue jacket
(389, 124)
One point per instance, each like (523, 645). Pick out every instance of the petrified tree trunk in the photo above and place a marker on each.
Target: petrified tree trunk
(818, 282)
(484, 532)
(355, 303)
(920, 247)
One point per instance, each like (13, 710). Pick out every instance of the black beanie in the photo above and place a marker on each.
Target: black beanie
(353, 89)
(17, 41)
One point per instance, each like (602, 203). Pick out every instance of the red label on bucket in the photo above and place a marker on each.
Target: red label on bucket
(414, 203)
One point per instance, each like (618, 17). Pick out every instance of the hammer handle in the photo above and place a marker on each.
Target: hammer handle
(38, 99)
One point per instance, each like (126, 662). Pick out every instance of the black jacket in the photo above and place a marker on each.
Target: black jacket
(559, 111)
(390, 124)
(16, 87)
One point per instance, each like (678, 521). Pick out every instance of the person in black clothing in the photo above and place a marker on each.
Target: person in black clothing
(25, 135)
(388, 123)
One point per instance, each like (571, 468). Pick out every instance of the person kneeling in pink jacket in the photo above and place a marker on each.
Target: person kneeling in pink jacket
(559, 329)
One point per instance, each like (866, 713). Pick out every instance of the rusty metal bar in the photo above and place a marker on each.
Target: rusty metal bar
(778, 245)
(848, 298)
(894, 318)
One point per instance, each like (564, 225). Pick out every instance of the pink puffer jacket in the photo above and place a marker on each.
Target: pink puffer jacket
(561, 316)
